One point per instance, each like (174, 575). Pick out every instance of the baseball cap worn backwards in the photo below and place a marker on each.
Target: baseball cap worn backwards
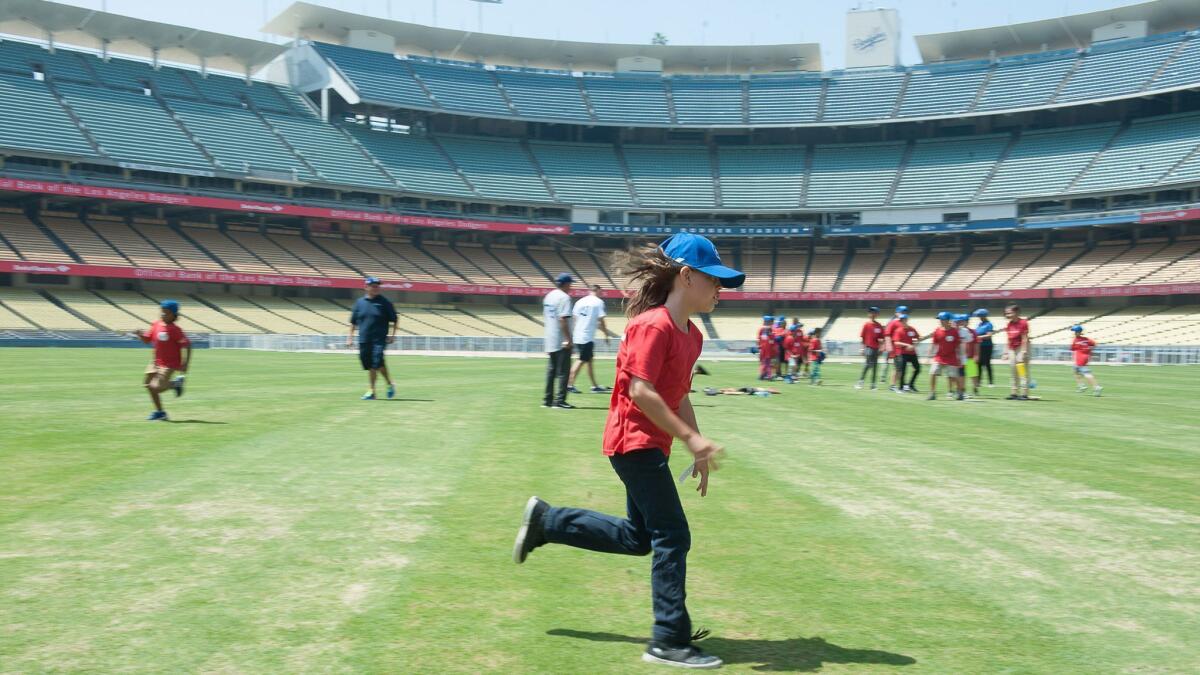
(699, 253)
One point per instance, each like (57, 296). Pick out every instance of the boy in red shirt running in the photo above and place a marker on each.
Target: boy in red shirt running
(946, 357)
(649, 407)
(889, 351)
(816, 356)
(1083, 346)
(872, 337)
(1017, 331)
(169, 341)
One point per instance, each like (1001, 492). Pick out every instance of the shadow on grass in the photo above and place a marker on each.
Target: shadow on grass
(195, 422)
(408, 400)
(794, 654)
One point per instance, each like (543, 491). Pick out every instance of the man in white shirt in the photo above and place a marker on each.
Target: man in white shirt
(556, 313)
(588, 314)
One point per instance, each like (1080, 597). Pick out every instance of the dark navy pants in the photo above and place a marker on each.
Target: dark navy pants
(655, 523)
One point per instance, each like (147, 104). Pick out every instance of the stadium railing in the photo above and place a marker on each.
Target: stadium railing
(724, 349)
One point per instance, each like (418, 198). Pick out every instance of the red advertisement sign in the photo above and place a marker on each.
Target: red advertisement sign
(1168, 216)
(249, 206)
(1121, 291)
(154, 274)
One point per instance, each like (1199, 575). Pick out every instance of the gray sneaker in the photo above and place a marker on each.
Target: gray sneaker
(687, 656)
(530, 536)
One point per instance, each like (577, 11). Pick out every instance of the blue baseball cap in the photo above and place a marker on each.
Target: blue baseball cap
(370, 281)
(1077, 328)
(902, 309)
(768, 317)
(873, 309)
(961, 317)
(699, 253)
(944, 316)
(901, 317)
(564, 278)
(980, 312)
(170, 305)
(781, 319)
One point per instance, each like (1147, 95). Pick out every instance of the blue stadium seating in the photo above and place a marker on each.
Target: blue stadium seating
(583, 173)
(379, 78)
(630, 98)
(1025, 81)
(1142, 155)
(761, 177)
(1114, 70)
(947, 171)
(33, 120)
(498, 168)
(1045, 162)
(862, 95)
(414, 161)
(707, 100)
(852, 175)
(784, 99)
(934, 90)
(671, 176)
(465, 88)
(238, 139)
(544, 96)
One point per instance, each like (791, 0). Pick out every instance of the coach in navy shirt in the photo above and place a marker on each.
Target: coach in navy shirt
(371, 315)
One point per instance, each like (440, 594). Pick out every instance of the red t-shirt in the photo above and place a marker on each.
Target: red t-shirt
(766, 346)
(970, 340)
(169, 341)
(655, 350)
(814, 346)
(1082, 346)
(1015, 330)
(946, 341)
(902, 333)
(872, 334)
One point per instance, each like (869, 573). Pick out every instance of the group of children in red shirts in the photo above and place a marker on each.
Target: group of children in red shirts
(787, 353)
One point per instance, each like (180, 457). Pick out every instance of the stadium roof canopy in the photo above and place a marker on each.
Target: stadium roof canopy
(105, 31)
(324, 24)
(1066, 32)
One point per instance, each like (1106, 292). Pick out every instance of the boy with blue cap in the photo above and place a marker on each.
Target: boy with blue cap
(1082, 348)
(764, 347)
(891, 350)
(648, 409)
(372, 314)
(984, 330)
(169, 344)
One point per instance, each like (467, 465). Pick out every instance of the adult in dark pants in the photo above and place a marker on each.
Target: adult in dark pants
(650, 407)
(371, 316)
(985, 330)
(556, 312)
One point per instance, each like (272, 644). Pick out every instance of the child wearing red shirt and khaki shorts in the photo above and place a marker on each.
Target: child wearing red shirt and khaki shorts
(650, 407)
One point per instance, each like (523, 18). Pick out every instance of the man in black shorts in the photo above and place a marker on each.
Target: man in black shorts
(371, 315)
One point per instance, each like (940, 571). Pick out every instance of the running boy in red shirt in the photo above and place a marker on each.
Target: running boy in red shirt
(649, 407)
(1083, 346)
(946, 357)
(169, 343)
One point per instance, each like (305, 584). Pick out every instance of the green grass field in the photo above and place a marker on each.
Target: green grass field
(282, 525)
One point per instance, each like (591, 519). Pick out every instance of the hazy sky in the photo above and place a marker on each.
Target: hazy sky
(632, 21)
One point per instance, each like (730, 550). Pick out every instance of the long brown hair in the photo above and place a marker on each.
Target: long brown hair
(651, 276)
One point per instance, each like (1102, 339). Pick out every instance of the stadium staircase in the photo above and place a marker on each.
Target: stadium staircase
(416, 242)
(1166, 63)
(1062, 84)
(849, 258)
(1012, 143)
(966, 253)
(620, 153)
(182, 232)
(407, 66)
(895, 112)
(822, 98)
(709, 328)
(308, 166)
(920, 261)
(774, 262)
(887, 255)
(537, 166)
(904, 158)
(50, 234)
(433, 141)
(83, 129)
(69, 310)
(715, 167)
(808, 165)
(983, 87)
(183, 128)
(1096, 158)
(587, 101)
(228, 315)
(745, 101)
(512, 107)
(670, 94)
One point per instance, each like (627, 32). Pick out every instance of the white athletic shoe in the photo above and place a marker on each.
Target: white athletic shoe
(859, 385)
(1097, 390)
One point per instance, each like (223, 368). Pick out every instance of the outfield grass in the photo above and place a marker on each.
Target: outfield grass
(282, 525)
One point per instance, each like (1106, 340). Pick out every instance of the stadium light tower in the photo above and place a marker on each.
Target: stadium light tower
(479, 14)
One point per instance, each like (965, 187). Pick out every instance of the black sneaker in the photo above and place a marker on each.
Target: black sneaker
(177, 385)
(687, 656)
(573, 389)
(960, 397)
(701, 370)
(564, 405)
(530, 535)
(600, 390)
(1023, 397)
(1012, 397)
